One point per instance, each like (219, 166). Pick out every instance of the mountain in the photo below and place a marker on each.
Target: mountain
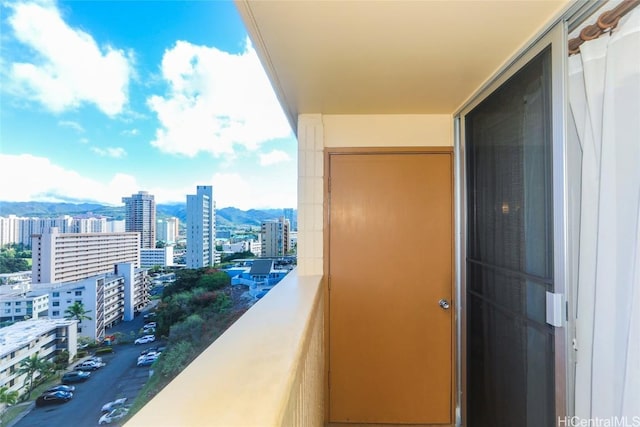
(225, 217)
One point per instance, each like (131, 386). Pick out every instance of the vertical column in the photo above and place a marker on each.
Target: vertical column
(310, 194)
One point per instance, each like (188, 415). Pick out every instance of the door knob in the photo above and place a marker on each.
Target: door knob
(444, 304)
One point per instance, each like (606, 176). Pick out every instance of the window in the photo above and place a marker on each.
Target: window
(7, 304)
(56, 304)
(55, 313)
(7, 311)
(18, 310)
(18, 302)
(78, 293)
(56, 294)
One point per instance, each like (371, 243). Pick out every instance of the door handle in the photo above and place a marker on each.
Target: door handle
(444, 304)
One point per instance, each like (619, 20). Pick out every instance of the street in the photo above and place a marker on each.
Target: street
(119, 378)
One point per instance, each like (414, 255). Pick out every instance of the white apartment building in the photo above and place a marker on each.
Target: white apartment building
(15, 229)
(201, 228)
(116, 226)
(108, 298)
(274, 235)
(140, 217)
(69, 257)
(16, 305)
(46, 337)
(167, 230)
(162, 257)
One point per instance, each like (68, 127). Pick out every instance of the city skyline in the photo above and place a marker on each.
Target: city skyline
(105, 99)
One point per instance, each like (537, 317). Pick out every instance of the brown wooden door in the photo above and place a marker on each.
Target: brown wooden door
(390, 263)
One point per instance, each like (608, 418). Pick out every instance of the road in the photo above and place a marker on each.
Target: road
(119, 378)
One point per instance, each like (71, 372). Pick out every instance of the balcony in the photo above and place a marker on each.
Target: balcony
(266, 369)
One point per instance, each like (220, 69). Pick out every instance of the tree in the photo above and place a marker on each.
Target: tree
(30, 367)
(77, 312)
(7, 398)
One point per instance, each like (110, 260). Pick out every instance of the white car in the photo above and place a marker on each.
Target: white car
(145, 339)
(108, 407)
(114, 415)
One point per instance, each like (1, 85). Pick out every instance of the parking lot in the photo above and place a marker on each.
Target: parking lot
(120, 377)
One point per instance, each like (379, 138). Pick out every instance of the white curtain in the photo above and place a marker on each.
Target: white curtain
(604, 91)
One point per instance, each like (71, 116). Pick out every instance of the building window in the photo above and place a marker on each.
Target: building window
(18, 310)
(56, 294)
(7, 311)
(78, 293)
(56, 304)
(18, 302)
(55, 313)
(7, 304)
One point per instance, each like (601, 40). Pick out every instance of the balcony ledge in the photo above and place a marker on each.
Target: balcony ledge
(252, 375)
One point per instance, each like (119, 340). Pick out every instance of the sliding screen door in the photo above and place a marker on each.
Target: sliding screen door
(510, 252)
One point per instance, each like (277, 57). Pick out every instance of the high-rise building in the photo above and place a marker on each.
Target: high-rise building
(274, 235)
(167, 229)
(69, 257)
(140, 216)
(201, 228)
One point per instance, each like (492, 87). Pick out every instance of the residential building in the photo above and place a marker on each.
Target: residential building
(274, 237)
(168, 229)
(201, 228)
(15, 229)
(468, 222)
(290, 214)
(108, 298)
(16, 279)
(260, 275)
(116, 226)
(16, 304)
(69, 257)
(9, 230)
(162, 257)
(44, 337)
(140, 217)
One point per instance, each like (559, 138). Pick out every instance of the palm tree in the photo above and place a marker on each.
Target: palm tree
(7, 398)
(77, 312)
(32, 366)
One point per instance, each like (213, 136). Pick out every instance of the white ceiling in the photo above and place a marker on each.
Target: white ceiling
(364, 57)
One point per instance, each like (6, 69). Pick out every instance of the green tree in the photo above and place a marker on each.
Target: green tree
(61, 361)
(77, 312)
(30, 367)
(7, 398)
(189, 330)
(176, 359)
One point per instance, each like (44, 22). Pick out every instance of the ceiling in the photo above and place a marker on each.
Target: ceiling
(383, 57)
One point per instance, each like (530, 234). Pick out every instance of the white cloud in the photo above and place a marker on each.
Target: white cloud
(72, 125)
(41, 180)
(130, 132)
(70, 68)
(115, 152)
(84, 140)
(215, 101)
(274, 157)
(252, 192)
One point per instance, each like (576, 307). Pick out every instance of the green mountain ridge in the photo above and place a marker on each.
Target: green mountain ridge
(225, 217)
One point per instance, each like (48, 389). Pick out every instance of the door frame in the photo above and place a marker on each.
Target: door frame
(455, 322)
(557, 38)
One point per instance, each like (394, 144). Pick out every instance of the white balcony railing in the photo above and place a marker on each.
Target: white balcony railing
(267, 369)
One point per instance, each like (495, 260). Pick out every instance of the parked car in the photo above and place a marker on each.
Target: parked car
(149, 354)
(88, 366)
(147, 360)
(145, 339)
(60, 387)
(149, 350)
(95, 359)
(114, 415)
(75, 377)
(52, 398)
(110, 406)
(150, 325)
(149, 317)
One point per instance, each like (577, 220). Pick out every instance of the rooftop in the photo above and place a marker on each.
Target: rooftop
(22, 333)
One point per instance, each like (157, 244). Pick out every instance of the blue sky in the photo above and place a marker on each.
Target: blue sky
(101, 99)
